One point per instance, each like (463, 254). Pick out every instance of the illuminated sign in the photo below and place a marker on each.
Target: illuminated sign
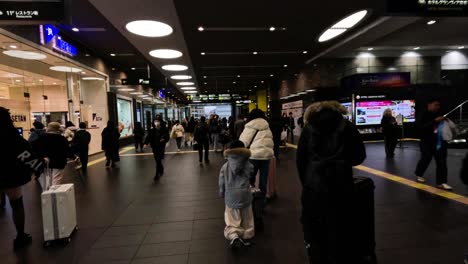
(32, 12)
(161, 95)
(427, 7)
(50, 36)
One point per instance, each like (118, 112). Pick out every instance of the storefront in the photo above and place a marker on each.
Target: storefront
(38, 84)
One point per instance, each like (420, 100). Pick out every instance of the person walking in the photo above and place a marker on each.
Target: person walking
(258, 138)
(14, 174)
(80, 146)
(36, 132)
(432, 145)
(239, 126)
(390, 132)
(190, 130)
(184, 124)
(178, 133)
(201, 137)
(328, 148)
(157, 138)
(234, 186)
(110, 144)
(215, 129)
(138, 135)
(291, 126)
(55, 149)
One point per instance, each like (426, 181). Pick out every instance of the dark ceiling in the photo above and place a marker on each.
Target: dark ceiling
(235, 29)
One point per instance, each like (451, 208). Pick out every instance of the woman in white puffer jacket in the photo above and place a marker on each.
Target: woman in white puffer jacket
(258, 137)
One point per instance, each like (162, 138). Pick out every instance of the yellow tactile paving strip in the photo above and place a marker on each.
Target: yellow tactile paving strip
(423, 187)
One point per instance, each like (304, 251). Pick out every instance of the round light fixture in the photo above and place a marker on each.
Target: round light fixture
(185, 83)
(343, 25)
(272, 28)
(126, 89)
(181, 77)
(370, 49)
(188, 88)
(13, 46)
(149, 28)
(416, 48)
(204, 77)
(174, 67)
(271, 75)
(200, 28)
(65, 69)
(112, 54)
(431, 22)
(190, 92)
(234, 82)
(203, 53)
(27, 55)
(92, 79)
(285, 65)
(461, 47)
(255, 53)
(133, 69)
(75, 29)
(304, 52)
(165, 53)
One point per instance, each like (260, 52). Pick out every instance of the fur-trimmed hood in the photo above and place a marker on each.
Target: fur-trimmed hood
(324, 105)
(243, 152)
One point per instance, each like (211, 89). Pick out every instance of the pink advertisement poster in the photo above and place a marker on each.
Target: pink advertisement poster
(370, 113)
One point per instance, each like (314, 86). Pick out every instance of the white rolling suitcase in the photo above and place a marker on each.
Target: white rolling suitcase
(58, 213)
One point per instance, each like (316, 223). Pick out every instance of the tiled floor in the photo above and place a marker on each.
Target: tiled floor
(124, 218)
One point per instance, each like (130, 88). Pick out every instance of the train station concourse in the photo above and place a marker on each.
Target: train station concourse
(199, 132)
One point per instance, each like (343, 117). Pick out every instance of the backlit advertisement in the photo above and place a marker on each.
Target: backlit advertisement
(370, 113)
(124, 113)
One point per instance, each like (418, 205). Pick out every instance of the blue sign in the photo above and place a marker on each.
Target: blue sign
(50, 32)
(161, 95)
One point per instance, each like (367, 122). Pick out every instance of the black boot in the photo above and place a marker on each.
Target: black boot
(22, 239)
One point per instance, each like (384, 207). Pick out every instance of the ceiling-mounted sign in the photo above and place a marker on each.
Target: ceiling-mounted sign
(31, 12)
(427, 7)
(377, 80)
(49, 36)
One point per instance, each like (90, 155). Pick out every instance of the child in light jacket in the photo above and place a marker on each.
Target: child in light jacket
(234, 186)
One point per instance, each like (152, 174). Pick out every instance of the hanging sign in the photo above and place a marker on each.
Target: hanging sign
(49, 36)
(427, 7)
(31, 12)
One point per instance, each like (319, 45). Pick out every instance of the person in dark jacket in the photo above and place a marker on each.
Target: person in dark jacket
(157, 138)
(214, 130)
(110, 144)
(138, 136)
(201, 136)
(328, 149)
(12, 175)
(291, 126)
(190, 130)
(276, 127)
(432, 145)
(80, 146)
(390, 132)
(36, 132)
(55, 148)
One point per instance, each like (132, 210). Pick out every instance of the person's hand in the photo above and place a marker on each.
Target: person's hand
(440, 119)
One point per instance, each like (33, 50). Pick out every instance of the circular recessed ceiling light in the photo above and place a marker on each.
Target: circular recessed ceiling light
(461, 47)
(174, 67)
(238, 76)
(126, 89)
(431, 22)
(75, 29)
(188, 88)
(92, 79)
(27, 55)
(87, 55)
(13, 46)
(234, 82)
(416, 48)
(255, 53)
(304, 52)
(271, 75)
(370, 49)
(165, 53)
(204, 77)
(185, 83)
(190, 92)
(200, 28)
(272, 28)
(133, 69)
(112, 54)
(65, 69)
(262, 81)
(285, 65)
(149, 28)
(343, 25)
(181, 77)
(203, 53)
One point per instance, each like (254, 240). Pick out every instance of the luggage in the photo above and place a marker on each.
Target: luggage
(257, 207)
(364, 220)
(58, 212)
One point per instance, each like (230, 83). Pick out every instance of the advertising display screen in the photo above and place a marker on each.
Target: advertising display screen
(370, 113)
(124, 114)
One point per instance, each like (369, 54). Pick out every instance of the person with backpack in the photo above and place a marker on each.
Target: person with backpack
(201, 137)
(215, 129)
(157, 138)
(234, 186)
(80, 146)
(328, 149)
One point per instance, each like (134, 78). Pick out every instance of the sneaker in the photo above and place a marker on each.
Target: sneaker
(420, 179)
(246, 242)
(444, 186)
(22, 241)
(236, 243)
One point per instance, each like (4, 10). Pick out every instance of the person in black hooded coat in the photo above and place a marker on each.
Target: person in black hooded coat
(110, 144)
(328, 148)
(157, 138)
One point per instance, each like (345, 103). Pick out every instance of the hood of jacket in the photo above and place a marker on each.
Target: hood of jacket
(331, 106)
(237, 158)
(258, 124)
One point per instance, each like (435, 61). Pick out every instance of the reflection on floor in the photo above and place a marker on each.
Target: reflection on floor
(124, 218)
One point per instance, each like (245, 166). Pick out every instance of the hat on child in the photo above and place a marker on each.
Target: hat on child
(236, 144)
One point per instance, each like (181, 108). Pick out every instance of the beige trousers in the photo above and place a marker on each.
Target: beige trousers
(239, 223)
(51, 177)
